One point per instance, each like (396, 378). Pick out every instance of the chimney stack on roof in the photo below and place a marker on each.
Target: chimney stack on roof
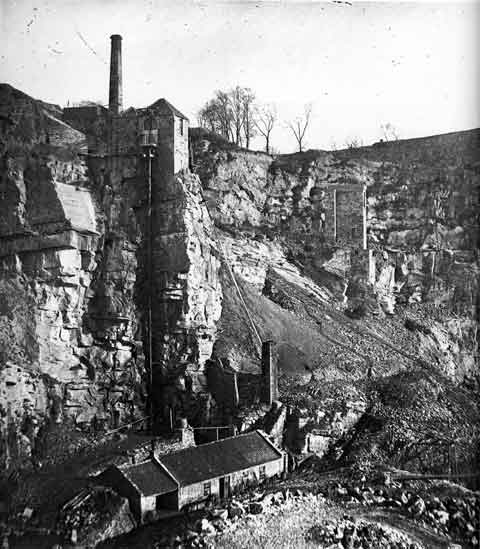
(115, 96)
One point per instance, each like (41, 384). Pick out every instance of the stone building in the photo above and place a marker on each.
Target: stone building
(115, 131)
(178, 256)
(345, 214)
(194, 475)
(164, 126)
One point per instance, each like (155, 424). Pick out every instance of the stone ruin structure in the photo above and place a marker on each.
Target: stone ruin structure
(179, 287)
(82, 250)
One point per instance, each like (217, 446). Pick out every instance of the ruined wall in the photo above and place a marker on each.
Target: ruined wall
(92, 121)
(180, 134)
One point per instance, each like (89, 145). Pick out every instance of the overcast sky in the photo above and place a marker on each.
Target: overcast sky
(413, 65)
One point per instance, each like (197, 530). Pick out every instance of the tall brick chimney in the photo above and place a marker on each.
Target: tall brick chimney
(115, 96)
(269, 373)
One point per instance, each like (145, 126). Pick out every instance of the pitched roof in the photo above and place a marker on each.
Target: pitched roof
(163, 104)
(149, 478)
(219, 458)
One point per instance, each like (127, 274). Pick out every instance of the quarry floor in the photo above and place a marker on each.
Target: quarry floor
(276, 527)
(285, 526)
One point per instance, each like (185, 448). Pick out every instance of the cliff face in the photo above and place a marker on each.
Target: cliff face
(73, 283)
(421, 225)
(75, 275)
(187, 294)
(70, 340)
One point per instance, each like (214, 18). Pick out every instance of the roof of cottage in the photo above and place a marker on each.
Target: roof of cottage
(149, 478)
(223, 457)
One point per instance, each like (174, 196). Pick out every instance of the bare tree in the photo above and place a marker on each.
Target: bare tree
(248, 114)
(299, 125)
(225, 114)
(230, 114)
(389, 132)
(216, 115)
(235, 97)
(208, 117)
(354, 143)
(265, 119)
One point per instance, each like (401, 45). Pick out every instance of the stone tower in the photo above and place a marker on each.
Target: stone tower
(115, 96)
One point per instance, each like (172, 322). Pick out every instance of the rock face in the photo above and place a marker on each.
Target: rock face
(71, 347)
(75, 268)
(421, 197)
(187, 291)
(74, 282)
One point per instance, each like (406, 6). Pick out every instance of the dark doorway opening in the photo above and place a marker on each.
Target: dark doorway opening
(224, 487)
(167, 501)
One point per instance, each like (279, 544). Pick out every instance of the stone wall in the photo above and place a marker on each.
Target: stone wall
(180, 132)
(92, 121)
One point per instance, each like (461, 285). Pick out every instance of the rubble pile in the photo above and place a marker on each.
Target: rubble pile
(348, 532)
(456, 517)
(201, 532)
(93, 515)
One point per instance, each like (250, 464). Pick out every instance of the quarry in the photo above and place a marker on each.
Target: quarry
(168, 298)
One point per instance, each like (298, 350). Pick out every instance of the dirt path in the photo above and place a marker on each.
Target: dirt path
(418, 533)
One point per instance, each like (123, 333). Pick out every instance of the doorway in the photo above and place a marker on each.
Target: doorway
(224, 487)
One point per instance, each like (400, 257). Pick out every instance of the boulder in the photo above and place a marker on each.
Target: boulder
(267, 499)
(418, 507)
(206, 527)
(441, 516)
(220, 514)
(255, 508)
(100, 515)
(235, 509)
(277, 498)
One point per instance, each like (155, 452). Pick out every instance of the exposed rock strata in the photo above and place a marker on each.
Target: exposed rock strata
(69, 319)
(73, 241)
(73, 254)
(187, 291)
(422, 227)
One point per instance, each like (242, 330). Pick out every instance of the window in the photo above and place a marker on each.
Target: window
(181, 126)
(207, 489)
(149, 123)
(354, 232)
(262, 472)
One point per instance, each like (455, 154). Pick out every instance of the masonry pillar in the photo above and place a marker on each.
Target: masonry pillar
(115, 96)
(269, 374)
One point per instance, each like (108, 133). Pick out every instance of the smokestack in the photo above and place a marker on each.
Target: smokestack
(115, 96)
(269, 373)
